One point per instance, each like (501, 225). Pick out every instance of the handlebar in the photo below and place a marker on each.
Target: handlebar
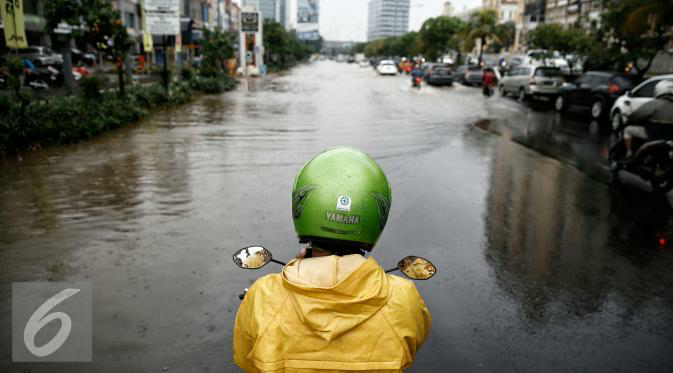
(242, 295)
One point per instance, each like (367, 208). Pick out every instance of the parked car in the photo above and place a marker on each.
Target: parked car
(439, 75)
(629, 102)
(532, 81)
(39, 56)
(386, 67)
(473, 76)
(458, 74)
(594, 90)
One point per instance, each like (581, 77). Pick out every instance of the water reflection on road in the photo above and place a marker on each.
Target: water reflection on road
(540, 265)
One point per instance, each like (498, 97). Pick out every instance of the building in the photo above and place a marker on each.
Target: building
(308, 19)
(465, 14)
(283, 12)
(333, 48)
(131, 15)
(447, 11)
(508, 10)
(387, 18)
(34, 23)
(268, 8)
(234, 12)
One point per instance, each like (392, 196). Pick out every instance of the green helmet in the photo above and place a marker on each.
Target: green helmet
(341, 197)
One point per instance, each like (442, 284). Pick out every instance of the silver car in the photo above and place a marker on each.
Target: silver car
(40, 56)
(527, 81)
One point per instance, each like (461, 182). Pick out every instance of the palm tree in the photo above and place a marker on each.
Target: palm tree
(483, 26)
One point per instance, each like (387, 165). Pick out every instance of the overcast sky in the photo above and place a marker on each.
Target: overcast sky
(346, 20)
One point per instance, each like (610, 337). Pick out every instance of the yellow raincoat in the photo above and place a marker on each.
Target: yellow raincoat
(330, 314)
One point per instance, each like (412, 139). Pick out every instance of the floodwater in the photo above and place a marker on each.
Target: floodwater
(541, 266)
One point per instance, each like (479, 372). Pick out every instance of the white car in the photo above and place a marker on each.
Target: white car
(364, 63)
(626, 104)
(387, 67)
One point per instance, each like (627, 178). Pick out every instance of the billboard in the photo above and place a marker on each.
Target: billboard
(308, 35)
(249, 21)
(307, 11)
(162, 17)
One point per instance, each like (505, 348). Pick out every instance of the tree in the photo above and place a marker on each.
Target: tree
(634, 31)
(436, 34)
(216, 49)
(94, 21)
(358, 48)
(506, 34)
(565, 40)
(483, 26)
(56, 12)
(284, 48)
(374, 48)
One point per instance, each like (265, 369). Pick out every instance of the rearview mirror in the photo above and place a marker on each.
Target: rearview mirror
(417, 268)
(253, 257)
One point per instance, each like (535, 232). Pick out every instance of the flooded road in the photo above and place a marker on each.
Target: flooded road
(541, 266)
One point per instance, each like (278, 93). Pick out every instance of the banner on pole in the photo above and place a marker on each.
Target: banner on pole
(178, 43)
(147, 41)
(12, 20)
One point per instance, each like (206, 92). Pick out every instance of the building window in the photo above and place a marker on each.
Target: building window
(130, 19)
(204, 12)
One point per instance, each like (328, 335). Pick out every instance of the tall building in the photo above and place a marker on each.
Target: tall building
(308, 19)
(387, 18)
(268, 8)
(508, 10)
(447, 11)
(282, 12)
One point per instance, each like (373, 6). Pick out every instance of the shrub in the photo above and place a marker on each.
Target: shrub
(68, 119)
(92, 85)
(186, 73)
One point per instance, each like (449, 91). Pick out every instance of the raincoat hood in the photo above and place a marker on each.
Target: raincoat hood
(330, 314)
(349, 287)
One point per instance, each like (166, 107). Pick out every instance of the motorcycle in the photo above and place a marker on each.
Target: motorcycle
(256, 257)
(43, 78)
(652, 161)
(416, 82)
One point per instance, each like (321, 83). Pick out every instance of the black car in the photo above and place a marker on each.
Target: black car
(439, 75)
(594, 91)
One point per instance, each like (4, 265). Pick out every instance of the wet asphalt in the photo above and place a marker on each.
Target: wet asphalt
(541, 265)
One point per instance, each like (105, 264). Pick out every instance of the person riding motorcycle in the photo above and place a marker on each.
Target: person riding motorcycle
(332, 309)
(653, 120)
(416, 72)
(488, 81)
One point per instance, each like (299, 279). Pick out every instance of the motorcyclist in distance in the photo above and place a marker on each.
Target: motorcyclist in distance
(333, 310)
(653, 120)
(416, 72)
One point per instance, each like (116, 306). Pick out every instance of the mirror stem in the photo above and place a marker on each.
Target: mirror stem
(392, 270)
(279, 262)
